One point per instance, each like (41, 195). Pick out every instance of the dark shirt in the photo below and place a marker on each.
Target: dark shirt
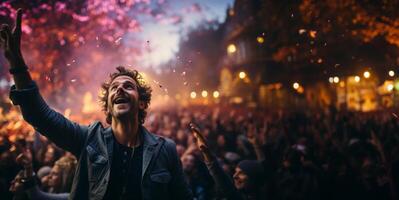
(122, 176)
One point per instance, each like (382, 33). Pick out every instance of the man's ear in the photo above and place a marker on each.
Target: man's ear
(142, 105)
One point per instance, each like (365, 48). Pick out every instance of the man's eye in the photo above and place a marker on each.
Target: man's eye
(129, 87)
(113, 87)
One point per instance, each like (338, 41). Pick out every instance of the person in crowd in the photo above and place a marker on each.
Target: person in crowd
(248, 176)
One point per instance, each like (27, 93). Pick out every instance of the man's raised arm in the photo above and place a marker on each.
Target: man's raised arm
(61, 131)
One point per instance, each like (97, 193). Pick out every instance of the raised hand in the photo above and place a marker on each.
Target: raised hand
(11, 43)
(252, 135)
(25, 159)
(201, 142)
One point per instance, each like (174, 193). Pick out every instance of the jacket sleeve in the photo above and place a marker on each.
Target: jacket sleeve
(36, 194)
(222, 181)
(179, 185)
(64, 133)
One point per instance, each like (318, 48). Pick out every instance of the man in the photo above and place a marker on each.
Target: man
(123, 161)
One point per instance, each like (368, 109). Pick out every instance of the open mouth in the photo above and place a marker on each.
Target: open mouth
(121, 100)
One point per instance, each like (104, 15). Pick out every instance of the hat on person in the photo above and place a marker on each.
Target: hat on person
(254, 170)
(43, 171)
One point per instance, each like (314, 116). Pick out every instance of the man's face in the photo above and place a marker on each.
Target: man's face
(123, 97)
(240, 179)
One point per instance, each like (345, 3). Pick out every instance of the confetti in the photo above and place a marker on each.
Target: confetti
(302, 31)
(312, 34)
(117, 41)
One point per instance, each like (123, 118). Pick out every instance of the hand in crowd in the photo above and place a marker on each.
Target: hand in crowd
(201, 143)
(25, 159)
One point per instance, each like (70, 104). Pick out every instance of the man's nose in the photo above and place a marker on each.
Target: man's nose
(119, 89)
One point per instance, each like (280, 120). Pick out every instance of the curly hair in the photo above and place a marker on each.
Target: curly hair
(143, 89)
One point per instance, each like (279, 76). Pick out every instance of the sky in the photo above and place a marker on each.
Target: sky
(169, 22)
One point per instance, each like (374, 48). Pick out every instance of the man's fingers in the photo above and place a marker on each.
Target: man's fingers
(17, 29)
(7, 32)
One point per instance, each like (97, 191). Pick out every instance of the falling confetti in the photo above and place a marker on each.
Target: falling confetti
(302, 31)
(156, 82)
(395, 115)
(185, 83)
(183, 73)
(73, 80)
(312, 34)
(117, 41)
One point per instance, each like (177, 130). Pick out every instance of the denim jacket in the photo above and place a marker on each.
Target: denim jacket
(162, 175)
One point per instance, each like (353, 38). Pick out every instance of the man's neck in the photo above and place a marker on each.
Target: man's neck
(126, 132)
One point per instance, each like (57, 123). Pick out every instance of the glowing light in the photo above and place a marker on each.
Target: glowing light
(215, 94)
(295, 85)
(331, 79)
(231, 48)
(336, 79)
(366, 74)
(391, 73)
(260, 39)
(300, 90)
(193, 95)
(242, 75)
(390, 87)
(204, 93)
(357, 78)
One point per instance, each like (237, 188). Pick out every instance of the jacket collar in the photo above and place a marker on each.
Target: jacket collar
(148, 138)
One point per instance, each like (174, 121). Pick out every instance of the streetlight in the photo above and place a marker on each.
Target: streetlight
(295, 85)
(391, 73)
(242, 75)
(193, 95)
(215, 94)
(204, 93)
(390, 87)
(366, 74)
(331, 79)
(357, 78)
(260, 39)
(231, 48)
(336, 79)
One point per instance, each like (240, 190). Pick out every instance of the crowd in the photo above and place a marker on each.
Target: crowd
(245, 154)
